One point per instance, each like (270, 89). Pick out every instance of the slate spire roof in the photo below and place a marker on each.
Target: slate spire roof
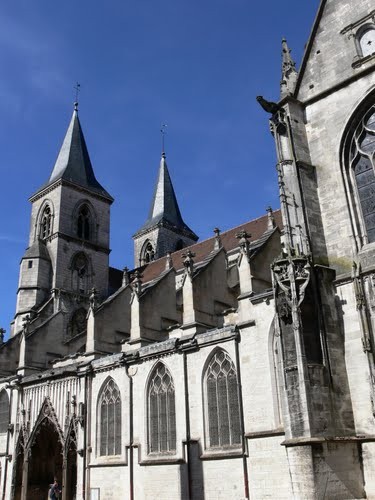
(164, 210)
(73, 162)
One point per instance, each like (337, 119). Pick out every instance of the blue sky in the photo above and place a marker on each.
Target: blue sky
(195, 65)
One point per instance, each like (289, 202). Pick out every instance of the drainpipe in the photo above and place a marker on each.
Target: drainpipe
(8, 440)
(187, 418)
(243, 439)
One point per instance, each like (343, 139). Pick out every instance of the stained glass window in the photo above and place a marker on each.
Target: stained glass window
(222, 405)
(362, 154)
(161, 411)
(109, 417)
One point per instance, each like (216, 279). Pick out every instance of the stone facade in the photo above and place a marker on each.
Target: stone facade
(241, 366)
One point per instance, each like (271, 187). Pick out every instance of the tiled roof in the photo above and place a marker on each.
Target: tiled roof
(257, 228)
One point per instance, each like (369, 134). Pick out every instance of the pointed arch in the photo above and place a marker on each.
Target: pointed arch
(81, 272)
(45, 220)
(4, 411)
(161, 410)
(77, 323)
(70, 456)
(18, 463)
(84, 221)
(48, 416)
(147, 253)
(358, 167)
(221, 401)
(109, 419)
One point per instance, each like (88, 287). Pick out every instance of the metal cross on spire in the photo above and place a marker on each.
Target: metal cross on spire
(77, 88)
(163, 132)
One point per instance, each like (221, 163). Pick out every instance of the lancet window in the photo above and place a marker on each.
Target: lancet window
(46, 223)
(361, 173)
(223, 428)
(84, 223)
(109, 420)
(4, 411)
(161, 411)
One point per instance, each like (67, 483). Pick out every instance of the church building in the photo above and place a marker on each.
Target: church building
(238, 367)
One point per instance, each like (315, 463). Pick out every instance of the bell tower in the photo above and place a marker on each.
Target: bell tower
(69, 233)
(164, 230)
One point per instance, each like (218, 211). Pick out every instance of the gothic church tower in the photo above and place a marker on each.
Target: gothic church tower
(69, 234)
(164, 231)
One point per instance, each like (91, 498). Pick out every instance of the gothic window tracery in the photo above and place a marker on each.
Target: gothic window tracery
(84, 223)
(161, 411)
(80, 273)
(78, 322)
(109, 420)
(4, 412)
(148, 253)
(46, 223)
(361, 163)
(222, 404)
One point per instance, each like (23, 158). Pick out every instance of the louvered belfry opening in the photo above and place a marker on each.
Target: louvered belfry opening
(362, 163)
(161, 411)
(223, 415)
(110, 420)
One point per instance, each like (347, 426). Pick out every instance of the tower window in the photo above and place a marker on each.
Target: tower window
(80, 273)
(222, 404)
(161, 411)
(148, 253)
(46, 223)
(30, 264)
(84, 223)
(109, 419)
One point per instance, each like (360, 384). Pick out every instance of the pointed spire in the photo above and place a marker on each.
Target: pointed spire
(73, 162)
(289, 72)
(164, 208)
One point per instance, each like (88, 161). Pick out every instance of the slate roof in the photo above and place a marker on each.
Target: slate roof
(37, 250)
(73, 162)
(164, 208)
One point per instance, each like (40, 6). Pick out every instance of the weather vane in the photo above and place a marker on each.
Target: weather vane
(77, 88)
(163, 132)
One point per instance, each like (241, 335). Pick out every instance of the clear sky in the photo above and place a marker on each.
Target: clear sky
(196, 65)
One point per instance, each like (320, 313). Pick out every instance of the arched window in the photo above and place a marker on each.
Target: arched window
(78, 322)
(84, 223)
(360, 160)
(223, 426)
(148, 253)
(109, 420)
(161, 411)
(4, 411)
(46, 223)
(80, 273)
(366, 40)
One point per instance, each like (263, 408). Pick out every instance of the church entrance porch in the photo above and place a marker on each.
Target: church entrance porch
(45, 462)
